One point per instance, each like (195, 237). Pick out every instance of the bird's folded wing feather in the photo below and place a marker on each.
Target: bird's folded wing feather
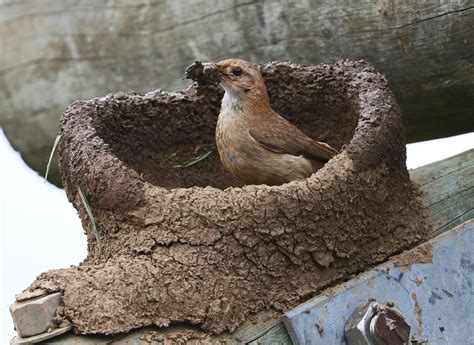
(282, 137)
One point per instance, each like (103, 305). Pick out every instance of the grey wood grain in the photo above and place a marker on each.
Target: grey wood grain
(275, 335)
(448, 191)
(55, 51)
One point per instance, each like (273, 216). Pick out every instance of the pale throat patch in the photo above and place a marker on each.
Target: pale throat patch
(231, 99)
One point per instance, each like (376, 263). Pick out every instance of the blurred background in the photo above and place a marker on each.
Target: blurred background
(53, 52)
(56, 51)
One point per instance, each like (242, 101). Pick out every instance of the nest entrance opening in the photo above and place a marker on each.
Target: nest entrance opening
(172, 144)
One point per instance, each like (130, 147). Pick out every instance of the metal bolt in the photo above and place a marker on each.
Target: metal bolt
(376, 324)
(35, 316)
(389, 327)
(40, 337)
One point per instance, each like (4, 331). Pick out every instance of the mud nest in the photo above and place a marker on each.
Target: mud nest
(175, 241)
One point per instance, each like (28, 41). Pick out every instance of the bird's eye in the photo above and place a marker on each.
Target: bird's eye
(237, 71)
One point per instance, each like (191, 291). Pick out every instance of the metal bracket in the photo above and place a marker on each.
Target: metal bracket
(430, 284)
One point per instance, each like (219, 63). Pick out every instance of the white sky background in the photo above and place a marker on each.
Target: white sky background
(40, 230)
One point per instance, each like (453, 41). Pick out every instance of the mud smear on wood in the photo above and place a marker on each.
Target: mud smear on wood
(180, 246)
(423, 254)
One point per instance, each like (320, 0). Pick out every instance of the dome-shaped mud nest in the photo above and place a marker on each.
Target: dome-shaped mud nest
(173, 238)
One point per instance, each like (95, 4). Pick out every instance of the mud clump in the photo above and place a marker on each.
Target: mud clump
(192, 245)
(203, 74)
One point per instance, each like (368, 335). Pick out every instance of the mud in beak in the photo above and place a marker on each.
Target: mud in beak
(213, 72)
(203, 73)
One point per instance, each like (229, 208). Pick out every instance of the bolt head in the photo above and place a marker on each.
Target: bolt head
(388, 326)
(35, 316)
(376, 324)
(357, 331)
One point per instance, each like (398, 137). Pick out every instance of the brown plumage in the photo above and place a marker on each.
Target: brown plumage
(255, 143)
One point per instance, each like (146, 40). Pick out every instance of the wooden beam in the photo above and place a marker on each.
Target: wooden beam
(448, 193)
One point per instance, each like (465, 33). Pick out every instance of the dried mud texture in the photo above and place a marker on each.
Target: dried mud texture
(191, 245)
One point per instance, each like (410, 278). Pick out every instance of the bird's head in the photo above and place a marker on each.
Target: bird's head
(241, 80)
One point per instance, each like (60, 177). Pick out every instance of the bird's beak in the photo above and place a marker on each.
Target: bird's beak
(219, 73)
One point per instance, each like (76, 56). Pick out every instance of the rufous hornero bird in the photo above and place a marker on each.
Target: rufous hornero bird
(255, 143)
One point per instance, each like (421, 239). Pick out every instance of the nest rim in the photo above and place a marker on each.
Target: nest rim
(362, 72)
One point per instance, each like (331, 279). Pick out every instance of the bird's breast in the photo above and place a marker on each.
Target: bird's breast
(252, 163)
(233, 142)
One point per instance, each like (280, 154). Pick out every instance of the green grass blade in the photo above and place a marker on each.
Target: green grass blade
(85, 202)
(193, 161)
(51, 157)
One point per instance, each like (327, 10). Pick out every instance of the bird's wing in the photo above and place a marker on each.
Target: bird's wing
(281, 136)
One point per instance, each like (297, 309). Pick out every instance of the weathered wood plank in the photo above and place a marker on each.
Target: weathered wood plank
(275, 335)
(425, 48)
(254, 327)
(448, 191)
(431, 172)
